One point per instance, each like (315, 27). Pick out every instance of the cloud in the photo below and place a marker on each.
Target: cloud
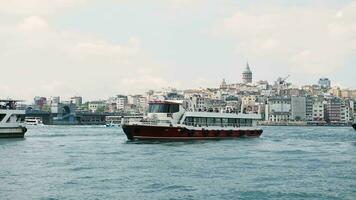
(143, 82)
(114, 52)
(33, 23)
(184, 3)
(65, 62)
(36, 7)
(309, 40)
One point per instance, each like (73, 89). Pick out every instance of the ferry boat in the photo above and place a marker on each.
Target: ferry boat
(168, 120)
(11, 120)
(33, 121)
(354, 125)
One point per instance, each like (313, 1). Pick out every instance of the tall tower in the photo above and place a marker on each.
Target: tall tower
(223, 85)
(247, 74)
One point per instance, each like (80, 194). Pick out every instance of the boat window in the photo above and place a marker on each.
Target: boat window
(232, 121)
(242, 122)
(218, 121)
(163, 108)
(2, 116)
(202, 121)
(225, 121)
(211, 121)
(248, 122)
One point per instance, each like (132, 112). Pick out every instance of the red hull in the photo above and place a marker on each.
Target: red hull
(178, 133)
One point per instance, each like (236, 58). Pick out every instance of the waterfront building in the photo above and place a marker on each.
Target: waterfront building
(324, 83)
(39, 102)
(247, 75)
(135, 103)
(309, 102)
(142, 104)
(345, 112)
(118, 103)
(278, 109)
(333, 110)
(54, 100)
(318, 111)
(132, 99)
(121, 102)
(77, 100)
(95, 106)
(298, 108)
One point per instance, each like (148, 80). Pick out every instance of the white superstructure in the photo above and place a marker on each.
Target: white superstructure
(33, 121)
(172, 113)
(11, 120)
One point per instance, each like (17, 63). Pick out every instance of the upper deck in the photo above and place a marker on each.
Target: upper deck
(9, 104)
(224, 115)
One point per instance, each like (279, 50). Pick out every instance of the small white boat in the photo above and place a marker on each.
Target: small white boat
(113, 121)
(112, 125)
(11, 120)
(33, 121)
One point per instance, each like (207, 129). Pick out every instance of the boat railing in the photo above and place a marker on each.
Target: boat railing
(215, 124)
(130, 120)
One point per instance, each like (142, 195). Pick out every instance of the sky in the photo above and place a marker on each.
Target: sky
(98, 49)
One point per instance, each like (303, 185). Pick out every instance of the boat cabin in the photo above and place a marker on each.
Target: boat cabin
(165, 112)
(207, 119)
(9, 115)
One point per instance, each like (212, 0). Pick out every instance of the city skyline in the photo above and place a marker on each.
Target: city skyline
(99, 49)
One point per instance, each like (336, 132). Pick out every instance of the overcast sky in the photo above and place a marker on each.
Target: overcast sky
(98, 48)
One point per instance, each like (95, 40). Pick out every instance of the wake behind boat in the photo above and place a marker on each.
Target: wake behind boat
(11, 120)
(168, 120)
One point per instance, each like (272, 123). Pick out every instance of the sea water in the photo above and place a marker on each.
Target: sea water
(81, 162)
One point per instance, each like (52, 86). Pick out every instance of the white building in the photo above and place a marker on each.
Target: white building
(318, 111)
(346, 116)
(78, 101)
(94, 106)
(278, 109)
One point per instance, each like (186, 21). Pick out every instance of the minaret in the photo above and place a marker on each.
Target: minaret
(247, 75)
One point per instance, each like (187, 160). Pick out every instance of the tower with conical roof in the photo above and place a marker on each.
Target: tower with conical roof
(223, 84)
(247, 75)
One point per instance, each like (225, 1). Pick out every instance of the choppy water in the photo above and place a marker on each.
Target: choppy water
(99, 163)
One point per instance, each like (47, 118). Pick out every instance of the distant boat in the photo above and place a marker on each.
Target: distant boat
(354, 125)
(11, 120)
(33, 121)
(113, 121)
(111, 124)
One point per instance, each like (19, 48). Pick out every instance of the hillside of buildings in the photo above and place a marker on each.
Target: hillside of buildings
(279, 103)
